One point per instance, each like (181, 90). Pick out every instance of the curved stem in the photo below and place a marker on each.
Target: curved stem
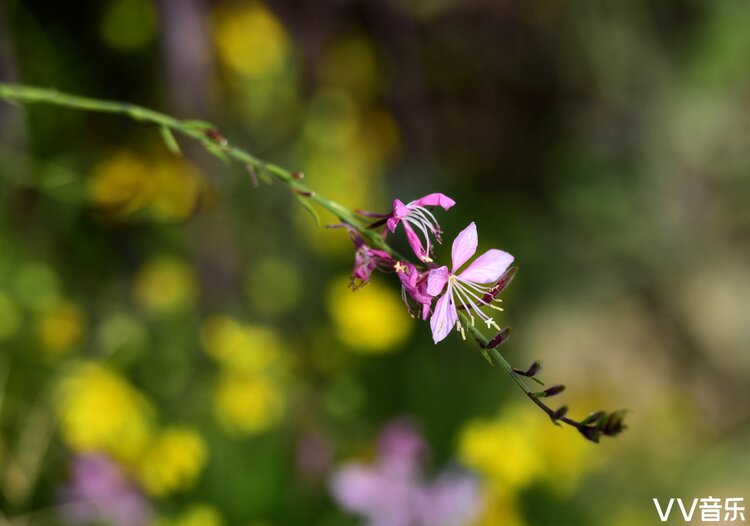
(203, 132)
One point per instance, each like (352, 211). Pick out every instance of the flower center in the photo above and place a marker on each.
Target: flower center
(467, 295)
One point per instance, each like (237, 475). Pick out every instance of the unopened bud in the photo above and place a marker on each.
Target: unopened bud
(531, 371)
(557, 415)
(497, 340)
(554, 390)
(593, 418)
(590, 433)
(613, 424)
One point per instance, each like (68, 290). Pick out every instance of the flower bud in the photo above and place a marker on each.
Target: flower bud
(561, 412)
(554, 390)
(590, 433)
(594, 418)
(497, 340)
(531, 371)
(613, 424)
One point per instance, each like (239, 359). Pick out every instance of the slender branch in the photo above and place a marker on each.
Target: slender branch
(205, 133)
(208, 136)
(591, 427)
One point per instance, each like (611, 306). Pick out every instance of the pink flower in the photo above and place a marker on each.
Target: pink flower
(469, 289)
(414, 285)
(100, 492)
(367, 260)
(394, 491)
(416, 215)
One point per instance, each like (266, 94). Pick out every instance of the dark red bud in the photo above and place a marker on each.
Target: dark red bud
(501, 285)
(499, 339)
(531, 371)
(554, 390)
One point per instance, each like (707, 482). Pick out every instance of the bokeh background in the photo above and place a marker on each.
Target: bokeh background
(180, 348)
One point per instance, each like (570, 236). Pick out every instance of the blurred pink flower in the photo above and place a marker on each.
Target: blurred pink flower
(393, 492)
(416, 215)
(99, 492)
(468, 288)
(367, 260)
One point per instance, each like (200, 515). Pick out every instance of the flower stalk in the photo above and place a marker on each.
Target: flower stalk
(466, 292)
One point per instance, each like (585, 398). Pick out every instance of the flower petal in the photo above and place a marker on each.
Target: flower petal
(436, 199)
(488, 267)
(415, 243)
(436, 280)
(444, 317)
(464, 246)
(399, 212)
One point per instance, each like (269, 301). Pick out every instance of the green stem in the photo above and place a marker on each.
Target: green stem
(204, 133)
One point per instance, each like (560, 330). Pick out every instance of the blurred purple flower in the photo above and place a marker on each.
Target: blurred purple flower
(392, 491)
(416, 215)
(467, 288)
(99, 492)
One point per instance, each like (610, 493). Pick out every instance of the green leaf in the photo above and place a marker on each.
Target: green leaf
(170, 141)
(216, 151)
(310, 208)
(198, 125)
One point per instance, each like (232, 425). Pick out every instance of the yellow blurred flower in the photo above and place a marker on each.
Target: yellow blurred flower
(532, 450)
(250, 40)
(100, 411)
(61, 328)
(164, 284)
(372, 319)
(10, 317)
(178, 187)
(499, 509)
(248, 404)
(195, 515)
(122, 184)
(239, 347)
(172, 462)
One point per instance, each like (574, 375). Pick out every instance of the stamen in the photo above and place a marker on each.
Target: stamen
(424, 211)
(430, 223)
(460, 329)
(461, 291)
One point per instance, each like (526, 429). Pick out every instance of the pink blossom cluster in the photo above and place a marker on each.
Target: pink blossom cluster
(467, 286)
